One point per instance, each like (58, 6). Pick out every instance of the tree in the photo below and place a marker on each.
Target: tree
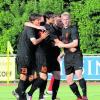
(13, 14)
(86, 14)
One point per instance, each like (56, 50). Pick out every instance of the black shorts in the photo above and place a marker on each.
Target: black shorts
(72, 62)
(53, 68)
(41, 61)
(25, 65)
(52, 63)
(47, 58)
(71, 69)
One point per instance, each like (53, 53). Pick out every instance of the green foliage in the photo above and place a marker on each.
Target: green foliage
(13, 14)
(85, 13)
(51, 5)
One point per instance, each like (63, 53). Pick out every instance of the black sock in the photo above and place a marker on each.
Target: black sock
(42, 89)
(20, 89)
(55, 88)
(82, 84)
(35, 85)
(75, 90)
(27, 84)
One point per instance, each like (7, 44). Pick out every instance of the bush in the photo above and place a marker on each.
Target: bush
(13, 14)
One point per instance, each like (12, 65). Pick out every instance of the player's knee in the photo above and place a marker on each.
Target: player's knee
(69, 80)
(78, 74)
(23, 73)
(43, 75)
(23, 77)
(79, 77)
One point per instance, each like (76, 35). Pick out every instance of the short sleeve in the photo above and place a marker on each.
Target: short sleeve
(74, 33)
(53, 34)
(30, 33)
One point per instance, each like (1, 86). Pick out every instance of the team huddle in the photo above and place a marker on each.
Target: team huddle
(39, 53)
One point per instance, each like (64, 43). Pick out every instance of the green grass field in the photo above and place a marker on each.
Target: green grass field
(64, 93)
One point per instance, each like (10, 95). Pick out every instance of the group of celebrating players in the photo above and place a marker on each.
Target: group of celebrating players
(38, 53)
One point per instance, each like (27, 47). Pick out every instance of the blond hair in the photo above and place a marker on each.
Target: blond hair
(65, 14)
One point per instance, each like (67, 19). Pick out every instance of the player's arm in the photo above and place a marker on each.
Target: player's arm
(61, 56)
(72, 49)
(74, 36)
(72, 44)
(31, 35)
(37, 41)
(60, 44)
(56, 40)
(29, 24)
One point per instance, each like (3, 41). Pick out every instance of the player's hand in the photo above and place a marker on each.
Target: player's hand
(59, 58)
(59, 44)
(42, 28)
(72, 49)
(44, 35)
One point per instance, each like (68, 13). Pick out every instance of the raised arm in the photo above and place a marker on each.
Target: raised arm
(34, 26)
(37, 41)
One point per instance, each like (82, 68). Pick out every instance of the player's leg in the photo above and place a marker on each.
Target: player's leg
(49, 91)
(40, 80)
(31, 79)
(56, 84)
(73, 86)
(82, 83)
(78, 71)
(42, 91)
(19, 91)
(41, 64)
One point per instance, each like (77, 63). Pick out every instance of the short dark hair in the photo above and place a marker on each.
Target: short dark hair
(48, 14)
(34, 16)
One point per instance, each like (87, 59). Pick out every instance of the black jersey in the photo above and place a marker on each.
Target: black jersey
(72, 60)
(69, 34)
(26, 51)
(46, 52)
(47, 43)
(58, 31)
(52, 51)
(25, 46)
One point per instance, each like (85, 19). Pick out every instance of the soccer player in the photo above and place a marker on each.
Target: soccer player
(52, 52)
(58, 28)
(73, 60)
(40, 57)
(48, 54)
(25, 59)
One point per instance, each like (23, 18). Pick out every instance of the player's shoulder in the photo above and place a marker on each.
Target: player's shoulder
(28, 28)
(73, 27)
(47, 26)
